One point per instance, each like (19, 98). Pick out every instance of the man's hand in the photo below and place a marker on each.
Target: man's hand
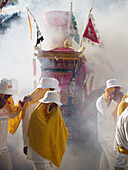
(116, 97)
(27, 98)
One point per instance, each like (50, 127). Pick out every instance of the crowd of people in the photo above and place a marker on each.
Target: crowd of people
(44, 131)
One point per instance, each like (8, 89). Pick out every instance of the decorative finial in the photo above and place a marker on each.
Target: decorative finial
(81, 49)
(91, 9)
(67, 43)
(71, 4)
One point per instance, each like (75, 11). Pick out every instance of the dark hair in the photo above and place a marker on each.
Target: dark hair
(117, 87)
(2, 102)
(51, 89)
(52, 105)
(6, 96)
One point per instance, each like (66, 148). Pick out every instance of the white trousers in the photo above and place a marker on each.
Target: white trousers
(108, 156)
(43, 166)
(5, 160)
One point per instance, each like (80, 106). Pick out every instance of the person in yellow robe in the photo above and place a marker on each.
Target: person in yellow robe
(123, 104)
(47, 133)
(30, 103)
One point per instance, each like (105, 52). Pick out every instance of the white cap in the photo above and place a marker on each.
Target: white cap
(48, 82)
(112, 83)
(6, 86)
(51, 97)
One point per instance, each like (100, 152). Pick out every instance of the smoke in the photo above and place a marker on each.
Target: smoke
(111, 20)
(17, 51)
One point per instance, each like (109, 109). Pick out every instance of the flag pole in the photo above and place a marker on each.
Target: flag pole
(90, 10)
(81, 43)
(31, 14)
(39, 39)
(69, 21)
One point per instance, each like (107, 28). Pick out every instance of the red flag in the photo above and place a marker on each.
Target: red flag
(90, 33)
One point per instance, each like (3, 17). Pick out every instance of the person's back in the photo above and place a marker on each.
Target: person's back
(49, 134)
(45, 84)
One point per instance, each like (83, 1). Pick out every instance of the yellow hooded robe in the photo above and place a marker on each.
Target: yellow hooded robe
(47, 133)
(122, 106)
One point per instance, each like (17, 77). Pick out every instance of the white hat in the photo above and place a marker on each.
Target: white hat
(112, 83)
(51, 97)
(48, 82)
(6, 86)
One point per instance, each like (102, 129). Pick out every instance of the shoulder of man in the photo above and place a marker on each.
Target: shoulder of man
(122, 106)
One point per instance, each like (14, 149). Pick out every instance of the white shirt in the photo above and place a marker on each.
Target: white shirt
(105, 120)
(4, 115)
(25, 122)
(31, 154)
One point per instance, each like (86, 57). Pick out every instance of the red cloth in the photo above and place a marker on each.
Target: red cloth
(90, 32)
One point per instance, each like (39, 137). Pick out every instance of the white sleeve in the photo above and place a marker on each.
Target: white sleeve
(126, 130)
(105, 109)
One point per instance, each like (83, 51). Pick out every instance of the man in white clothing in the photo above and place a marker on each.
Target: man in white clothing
(122, 137)
(106, 119)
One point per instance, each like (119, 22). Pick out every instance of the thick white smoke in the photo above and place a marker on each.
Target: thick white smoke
(16, 49)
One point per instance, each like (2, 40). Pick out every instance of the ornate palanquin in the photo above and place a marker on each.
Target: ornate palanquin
(68, 66)
(64, 64)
